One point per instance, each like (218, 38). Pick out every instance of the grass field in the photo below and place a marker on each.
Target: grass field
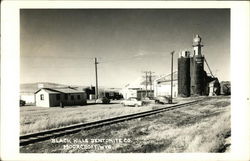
(205, 127)
(34, 119)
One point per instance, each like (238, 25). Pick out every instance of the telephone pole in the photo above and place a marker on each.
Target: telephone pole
(146, 84)
(96, 80)
(150, 82)
(171, 97)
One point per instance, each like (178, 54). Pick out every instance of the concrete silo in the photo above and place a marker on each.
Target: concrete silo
(184, 74)
(197, 68)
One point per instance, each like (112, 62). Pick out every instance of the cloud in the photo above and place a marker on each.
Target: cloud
(140, 54)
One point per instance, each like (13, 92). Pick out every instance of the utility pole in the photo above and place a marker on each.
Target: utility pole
(96, 80)
(146, 84)
(171, 97)
(150, 81)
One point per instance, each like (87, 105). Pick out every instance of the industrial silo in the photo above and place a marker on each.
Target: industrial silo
(184, 74)
(198, 75)
(197, 68)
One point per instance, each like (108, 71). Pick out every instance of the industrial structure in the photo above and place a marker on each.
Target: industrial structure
(162, 85)
(138, 88)
(192, 78)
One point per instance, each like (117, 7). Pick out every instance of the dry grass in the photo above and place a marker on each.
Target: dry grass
(200, 128)
(34, 119)
(194, 129)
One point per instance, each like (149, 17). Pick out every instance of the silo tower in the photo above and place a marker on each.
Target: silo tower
(197, 45)
(197, 68)
(184, 74)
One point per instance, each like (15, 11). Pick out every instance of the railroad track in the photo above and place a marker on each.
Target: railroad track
(52, 133)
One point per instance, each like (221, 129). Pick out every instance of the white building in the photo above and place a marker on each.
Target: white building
(138, 89)
(52, 97)
(162, 85)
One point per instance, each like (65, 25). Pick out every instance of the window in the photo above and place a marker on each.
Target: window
(72, 97)
(78, 97)
(58, 96)
(66, 97)
(41, 97)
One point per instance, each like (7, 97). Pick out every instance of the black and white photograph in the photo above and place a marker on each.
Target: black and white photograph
(126, 80)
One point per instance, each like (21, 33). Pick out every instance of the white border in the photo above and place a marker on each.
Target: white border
(10, 79)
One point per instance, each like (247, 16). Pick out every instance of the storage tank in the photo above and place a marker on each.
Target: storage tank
(198, 75)
(197, 68)
(184, 74)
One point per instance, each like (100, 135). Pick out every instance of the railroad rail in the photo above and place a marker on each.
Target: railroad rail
(52, 133)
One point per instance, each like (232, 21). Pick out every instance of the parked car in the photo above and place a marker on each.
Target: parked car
(103, 100)
(148, 100)
(22, 102)
(132, 101)
(162, 99)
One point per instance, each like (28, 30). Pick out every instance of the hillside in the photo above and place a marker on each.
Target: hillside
(32, 87)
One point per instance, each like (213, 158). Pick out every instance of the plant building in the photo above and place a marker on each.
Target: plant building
(192, 78)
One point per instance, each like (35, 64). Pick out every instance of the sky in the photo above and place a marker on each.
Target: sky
(59, 45)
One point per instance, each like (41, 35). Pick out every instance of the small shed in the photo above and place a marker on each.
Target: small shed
(52, 97)
(214, 87)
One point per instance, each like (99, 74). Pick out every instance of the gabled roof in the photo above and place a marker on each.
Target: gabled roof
(60, 90)
(48, 91)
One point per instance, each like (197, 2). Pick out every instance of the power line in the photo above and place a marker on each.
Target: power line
(148, 75)
(150, 80)
(146, 82)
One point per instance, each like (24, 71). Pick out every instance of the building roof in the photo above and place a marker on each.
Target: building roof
(140, 83)
(61, 90)
(48, 91)
(167, 78)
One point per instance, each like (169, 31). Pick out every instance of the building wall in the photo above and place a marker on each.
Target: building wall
(70, 99)
(138, 93)
(52, 100)
(164, 89)
(142, 93)
(45, 101)
(129, 93)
